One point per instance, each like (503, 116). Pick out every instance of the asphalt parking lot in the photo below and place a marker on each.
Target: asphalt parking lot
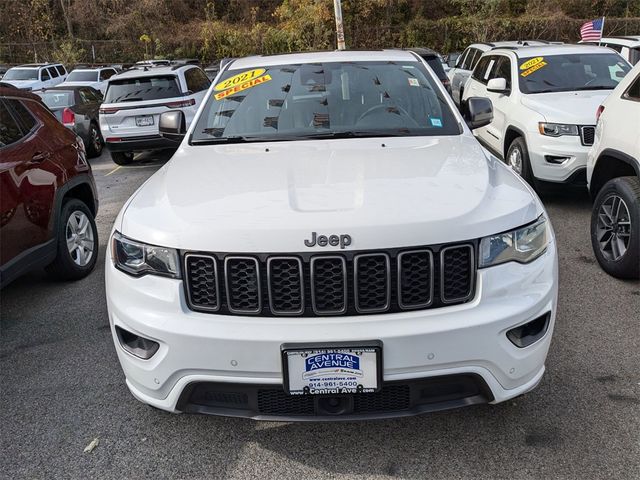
(62, 387)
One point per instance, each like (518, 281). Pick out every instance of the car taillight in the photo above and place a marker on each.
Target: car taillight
(68, 117)
(108, 110)
(599, 112)
(181, 103)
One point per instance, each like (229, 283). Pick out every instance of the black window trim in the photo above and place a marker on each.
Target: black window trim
(635, 83)
(24, 132)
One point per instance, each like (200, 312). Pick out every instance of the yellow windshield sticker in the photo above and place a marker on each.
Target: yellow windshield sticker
(531, 63)
(238, 79)
(242, 86)
(535, 68)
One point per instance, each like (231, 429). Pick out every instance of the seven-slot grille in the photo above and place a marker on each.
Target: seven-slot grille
(345, 283)
(587, 135)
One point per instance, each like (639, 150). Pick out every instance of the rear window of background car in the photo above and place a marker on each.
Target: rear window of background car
(142, 88)
(57, 99)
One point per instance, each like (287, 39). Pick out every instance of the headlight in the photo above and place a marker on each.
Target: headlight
(522, 245)
(557, 129)
(139, 259)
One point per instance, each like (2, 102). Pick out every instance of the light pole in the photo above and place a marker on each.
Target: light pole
(339, 28)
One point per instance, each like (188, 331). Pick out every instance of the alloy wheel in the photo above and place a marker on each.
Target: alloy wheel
(613, 230)
(79, 235)
(515, 160)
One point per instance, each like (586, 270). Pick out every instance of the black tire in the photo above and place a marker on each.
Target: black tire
(519, 144)
(122, 158)
(626, 265)
(64, 267)
(95, 142)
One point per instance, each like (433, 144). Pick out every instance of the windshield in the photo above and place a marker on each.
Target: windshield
(325, 100)
(21, 74)
(144, 88)
(57, 99)
(564, 73)
(90, 76)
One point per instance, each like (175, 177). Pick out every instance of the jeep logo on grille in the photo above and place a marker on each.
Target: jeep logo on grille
(343, 240)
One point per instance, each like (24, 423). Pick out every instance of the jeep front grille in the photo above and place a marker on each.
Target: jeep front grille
(587, 135)
(340, 283)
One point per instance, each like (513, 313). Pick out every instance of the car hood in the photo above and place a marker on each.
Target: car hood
(23, 83)
(270, 197)
(577, 108)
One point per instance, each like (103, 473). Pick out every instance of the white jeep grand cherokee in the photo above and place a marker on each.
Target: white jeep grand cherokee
(331, 242)
(545, 101)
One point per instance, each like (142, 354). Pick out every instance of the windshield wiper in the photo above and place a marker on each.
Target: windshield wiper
(290, 138)
(594, 87)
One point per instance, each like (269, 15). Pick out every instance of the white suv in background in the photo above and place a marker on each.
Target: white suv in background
(613, 171)
(36, 76)
(90, 77)
(466, 62)
(134, 101)
(307, 253)
(627, 46)
(544, 106)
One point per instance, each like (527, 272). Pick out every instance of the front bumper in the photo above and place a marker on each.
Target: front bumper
(242, 354)
(558, 159)
(140, 143)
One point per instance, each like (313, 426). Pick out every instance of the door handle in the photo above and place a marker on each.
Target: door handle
(40, 156)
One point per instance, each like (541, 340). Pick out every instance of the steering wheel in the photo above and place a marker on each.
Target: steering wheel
(375, 108)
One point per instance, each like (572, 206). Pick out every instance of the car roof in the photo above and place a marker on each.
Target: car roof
(323, 56)
(16, 92)
(91, 69)
(38, 65)
(64, 87)
(150, 71)
(510, 43)
(625, 40)
(562, 49)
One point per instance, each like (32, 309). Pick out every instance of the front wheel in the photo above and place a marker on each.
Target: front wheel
(122, 158)
(518, 159)
(615, 227)
(77, 242)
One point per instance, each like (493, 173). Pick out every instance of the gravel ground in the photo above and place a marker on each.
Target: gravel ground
(61, 387)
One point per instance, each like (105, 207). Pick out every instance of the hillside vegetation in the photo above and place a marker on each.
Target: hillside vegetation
(76, 31)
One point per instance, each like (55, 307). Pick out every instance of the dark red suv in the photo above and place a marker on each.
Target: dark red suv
(48, 198)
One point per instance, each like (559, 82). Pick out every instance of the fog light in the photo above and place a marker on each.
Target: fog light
(524, 335)
(556, 159)
(136, 345)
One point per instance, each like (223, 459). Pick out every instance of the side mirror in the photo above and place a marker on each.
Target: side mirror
(497, 85)
(478, 112)
(172, 125)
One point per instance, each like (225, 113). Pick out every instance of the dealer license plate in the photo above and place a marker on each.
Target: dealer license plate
(144, 120)
(332, 371)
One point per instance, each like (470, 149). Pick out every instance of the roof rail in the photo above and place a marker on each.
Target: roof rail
(506, 47)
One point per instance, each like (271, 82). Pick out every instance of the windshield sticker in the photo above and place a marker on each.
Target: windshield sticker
(436, 122)
(414, 82)
(532, 65)
(239, 78)
(242, 86)
(532, 62)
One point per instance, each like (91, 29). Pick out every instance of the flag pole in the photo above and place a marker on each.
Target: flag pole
(601, 33)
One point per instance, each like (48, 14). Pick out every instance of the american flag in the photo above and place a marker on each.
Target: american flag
(592, 30)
